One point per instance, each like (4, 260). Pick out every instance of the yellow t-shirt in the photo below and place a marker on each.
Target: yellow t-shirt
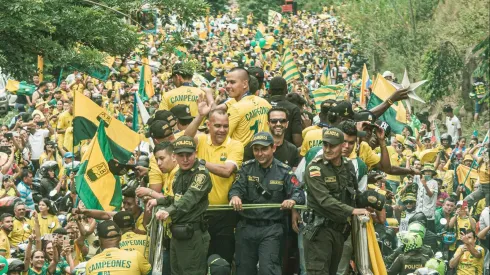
(307, 129)
(131, 241)
(78, 87)
(183, 95)
(312, 138)
(469, 265)
(483, 174)
(48, 224)
(248, 117)
(117, 261)
(21, 231)
(64, 121)
(230, 151)
(367, 155)
(395, 161)
(10, 193)
(68, 140)
(139, 222)
(4, 244)
(157, 177)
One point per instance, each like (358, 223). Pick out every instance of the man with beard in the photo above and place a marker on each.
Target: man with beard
(222, 156)
(7, 222)
(285, 151)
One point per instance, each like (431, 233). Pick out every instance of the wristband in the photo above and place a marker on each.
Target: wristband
(390, 102)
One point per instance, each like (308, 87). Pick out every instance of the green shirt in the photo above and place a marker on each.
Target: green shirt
(44, 271)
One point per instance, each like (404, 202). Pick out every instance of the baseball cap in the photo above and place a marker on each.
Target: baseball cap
(384, 126)
(164, 115)
(343, 109)
(257, 72)
(333, 136)
(124, 219)
(184, 144)
(68, 155)
(159, 129)
(365, 115)
(181, 111)
(108, 229)
(262, 138)
(218, 265)
(278, 83)
(372, 199)
(388, 73)
(326, 105)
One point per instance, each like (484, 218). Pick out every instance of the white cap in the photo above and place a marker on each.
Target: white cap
(388, 73)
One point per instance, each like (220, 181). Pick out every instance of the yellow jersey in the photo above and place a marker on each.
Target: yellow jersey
(231, 151)
(156, 177)
(115, 261)
(483, 174)
(312, 138)
(140, 222)
(21, 231)
(469, 265)
(366, 154)
(77, 87)
(395, 160)
(131, 241)
(307, 129)
(185, 95)
(48, 224)
(248, 117)
(4, 244)
(64, 122)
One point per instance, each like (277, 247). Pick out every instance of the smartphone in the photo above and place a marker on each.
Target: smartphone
(40, 123)
(8, 135)
(66, 240)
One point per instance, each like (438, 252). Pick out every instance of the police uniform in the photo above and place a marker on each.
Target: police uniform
(260, 232)
(331, 196)
(113, 260)
(190, 238)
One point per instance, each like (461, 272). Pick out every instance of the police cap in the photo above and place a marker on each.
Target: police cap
(184, 144)
(262, 138)
(333, 136)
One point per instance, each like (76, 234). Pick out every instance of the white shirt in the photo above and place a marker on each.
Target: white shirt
(485, 219)
(453, 124)
(426, 204)
(37, 142)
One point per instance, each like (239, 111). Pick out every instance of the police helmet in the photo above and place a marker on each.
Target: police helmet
(143, 161)
(417, 227)
(436, 264)
(418, 217)
(15, 265)
(49, 165)
(411, 241)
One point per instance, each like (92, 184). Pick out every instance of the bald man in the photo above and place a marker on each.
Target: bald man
(248, 115)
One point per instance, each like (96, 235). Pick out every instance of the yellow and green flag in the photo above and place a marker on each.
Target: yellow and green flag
(335, 92)
(40, 67)
(470, 175)
(20, 88)
(290, 71)
(97, 187)
(86, 117)
(145, 89)
(396, 115)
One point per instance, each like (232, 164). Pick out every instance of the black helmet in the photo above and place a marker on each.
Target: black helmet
(418, 217)
(447, 137)
(15, 265)
(143, 161)
(49, 165)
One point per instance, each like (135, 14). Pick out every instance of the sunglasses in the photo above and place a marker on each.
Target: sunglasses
(275, 121)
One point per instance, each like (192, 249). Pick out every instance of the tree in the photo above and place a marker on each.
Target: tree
(259, 8)
(76, 32)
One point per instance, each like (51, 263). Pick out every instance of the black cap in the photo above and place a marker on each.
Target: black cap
(326, 105)
(365, 115)
(182, 111)
(447, 109)
(385, 126)
(108, 229)
(184, 144)
(164, 115)
(218, 265)
(373, 199)
(333, 136)
(60, 231)
(257, 72)
(262, 138)
(278, 83)
(124, 219)
(159, 129)
(342, 109)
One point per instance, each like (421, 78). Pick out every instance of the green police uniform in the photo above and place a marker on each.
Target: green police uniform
(260, 232)
(331, 196)
(190, 238)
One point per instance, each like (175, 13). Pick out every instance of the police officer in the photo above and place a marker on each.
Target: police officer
(259, 232)
(190, 237)
(113, 260)
(413, 257)
(331, 187)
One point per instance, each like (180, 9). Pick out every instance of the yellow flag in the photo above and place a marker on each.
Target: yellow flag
(364, 79)
(149, 89)
(377, 264)
(40, 67)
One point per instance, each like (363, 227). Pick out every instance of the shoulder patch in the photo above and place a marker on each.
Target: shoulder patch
(198, 181)
(201, 168)
(282, 164)
(314, 168)
(317, 159)
(248, 162)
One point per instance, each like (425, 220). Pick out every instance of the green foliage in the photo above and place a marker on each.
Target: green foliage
(440, 66)
(483, 50)
(217, 5)
(259, 8)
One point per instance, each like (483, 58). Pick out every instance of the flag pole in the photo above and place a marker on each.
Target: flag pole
(478, 155)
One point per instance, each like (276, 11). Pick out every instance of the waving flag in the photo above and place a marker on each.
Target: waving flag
(325, 78)
(396, 115)
(87, 115)
(365, 84)
(289, 69)
(97, 187)
(20, 88)
(145, 89)
(335, 92)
